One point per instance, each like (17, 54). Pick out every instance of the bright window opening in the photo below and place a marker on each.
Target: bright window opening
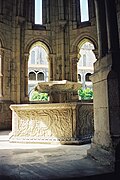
(38, 11)
(37, 70)
(84, 10)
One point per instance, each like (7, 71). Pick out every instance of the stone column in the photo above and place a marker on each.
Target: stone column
(114, 75)
(26, 57)
(1, 72)
(112, 28)
(61, 9)
(53, 66)
(62, 48)
(74, 18)
(30, 11)
(48, 11)
(20, 8)
(105, 86)
(73, 67)
(50, 67)
(112, 33)
(1, 6)
(101, 28)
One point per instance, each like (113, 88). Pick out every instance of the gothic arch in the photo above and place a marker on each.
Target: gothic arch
(43, 42)
(80, 40)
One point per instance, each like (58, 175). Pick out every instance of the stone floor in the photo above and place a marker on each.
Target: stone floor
(41, 162)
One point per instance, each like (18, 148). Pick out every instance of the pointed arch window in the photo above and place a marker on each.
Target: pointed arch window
(38, 12)
(84, 10)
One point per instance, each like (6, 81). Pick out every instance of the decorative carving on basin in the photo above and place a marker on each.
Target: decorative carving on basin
(60, 91)
(42, 122)
(52, 123)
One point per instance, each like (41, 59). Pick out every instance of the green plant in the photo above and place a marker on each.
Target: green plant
(36, 96)
(85, 94)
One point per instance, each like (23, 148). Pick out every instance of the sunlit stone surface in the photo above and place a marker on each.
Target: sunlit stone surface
(60, 91)
(65, 123)
(43, 122)
(61, 122)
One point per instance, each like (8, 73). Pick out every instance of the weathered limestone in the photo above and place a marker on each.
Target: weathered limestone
(57, 121)
(64, 123)
(60, 91)
(5, 115)
(60, 33)
(106, 80)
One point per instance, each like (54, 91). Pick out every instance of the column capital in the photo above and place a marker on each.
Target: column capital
(26, 55)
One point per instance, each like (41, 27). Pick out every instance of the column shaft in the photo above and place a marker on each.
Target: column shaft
(101, 28)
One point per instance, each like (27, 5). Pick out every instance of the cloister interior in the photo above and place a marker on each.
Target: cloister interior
(56, 47)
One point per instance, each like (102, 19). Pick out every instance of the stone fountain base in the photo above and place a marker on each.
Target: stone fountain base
(50, 123)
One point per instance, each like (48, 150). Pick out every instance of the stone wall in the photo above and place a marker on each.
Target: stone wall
(5, 115)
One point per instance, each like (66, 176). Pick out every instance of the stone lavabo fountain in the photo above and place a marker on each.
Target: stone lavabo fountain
(52, 122)
(60, 91)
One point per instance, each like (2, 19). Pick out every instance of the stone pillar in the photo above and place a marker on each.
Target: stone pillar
(112, 28)
(20, 8)
(74, 18)
(1, 72)
(52, 67)
(112, 33)
(114, 80)
(48, 11)
(24, 79)
(26, 57)
(101, 28)
(105, 86)
(73, 67)
(61, 48)
(30, 11)
(61, 9)
(1, 6)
